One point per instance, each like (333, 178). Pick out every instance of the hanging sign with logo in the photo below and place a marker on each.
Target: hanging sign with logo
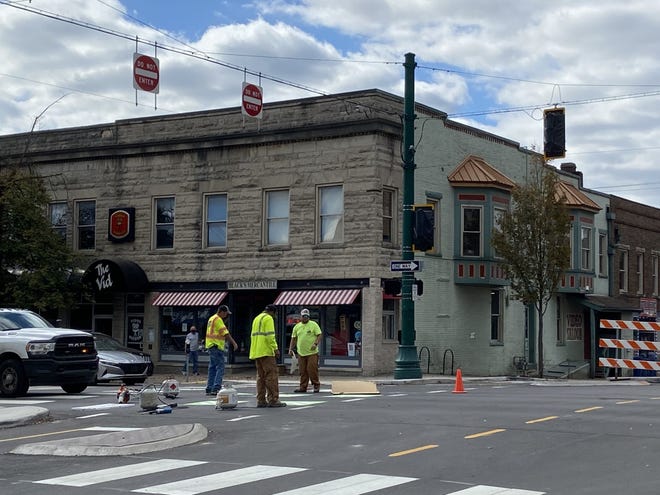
(121, 224)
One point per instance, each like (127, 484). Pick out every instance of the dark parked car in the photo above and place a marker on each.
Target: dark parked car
(118, 362)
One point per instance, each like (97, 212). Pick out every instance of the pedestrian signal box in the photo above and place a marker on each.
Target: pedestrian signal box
(423, 227)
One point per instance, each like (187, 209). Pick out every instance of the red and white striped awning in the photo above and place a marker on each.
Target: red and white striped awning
(189, 298)
(316, 297)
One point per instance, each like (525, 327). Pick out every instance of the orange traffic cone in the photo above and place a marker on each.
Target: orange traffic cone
(458, 387)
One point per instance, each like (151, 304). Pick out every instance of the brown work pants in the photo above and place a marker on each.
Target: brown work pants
(309, 371)
(268, 387)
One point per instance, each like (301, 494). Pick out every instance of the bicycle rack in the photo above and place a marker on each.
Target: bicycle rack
(428, 359)
(444, 358)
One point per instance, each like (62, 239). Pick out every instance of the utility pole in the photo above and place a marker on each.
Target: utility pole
(407, 362)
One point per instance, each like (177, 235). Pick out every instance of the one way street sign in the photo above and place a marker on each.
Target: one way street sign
(405, 266)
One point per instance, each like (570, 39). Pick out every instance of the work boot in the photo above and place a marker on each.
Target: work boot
(277, 404)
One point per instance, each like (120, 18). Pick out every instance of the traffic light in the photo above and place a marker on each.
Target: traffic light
(420, 286)
(423, 227)
(392, 286)
(554, 133)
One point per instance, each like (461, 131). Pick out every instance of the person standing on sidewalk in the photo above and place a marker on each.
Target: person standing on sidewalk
(264, 352)
(192, 352)
(216, 335)
(305, 340)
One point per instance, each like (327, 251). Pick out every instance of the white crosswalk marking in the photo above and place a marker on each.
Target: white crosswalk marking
(353, 485)
(494, 490)
(111, 474)
(217, 481)
(358, 484)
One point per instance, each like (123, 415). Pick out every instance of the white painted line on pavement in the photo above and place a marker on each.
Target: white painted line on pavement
(494, 490)
(245, 417)
(352, 485)
(218, 481)
(92, 415)
(121, 472)
(109, 428)
(437, 391)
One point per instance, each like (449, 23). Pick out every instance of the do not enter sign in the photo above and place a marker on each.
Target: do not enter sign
(145, 73)
(252, 100)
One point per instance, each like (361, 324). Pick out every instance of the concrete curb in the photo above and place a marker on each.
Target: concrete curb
(22, 415)
(120, 443)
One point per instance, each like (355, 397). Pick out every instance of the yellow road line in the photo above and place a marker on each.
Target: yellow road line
(540, 420)
(587, 409)
(42, 435)
(627, 402)
(412, 451)
(485, 433)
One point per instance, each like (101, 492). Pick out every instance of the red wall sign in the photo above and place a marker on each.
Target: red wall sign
(252, 101)
(121, 224)
(146, 73)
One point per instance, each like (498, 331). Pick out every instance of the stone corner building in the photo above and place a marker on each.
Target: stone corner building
(174, 215)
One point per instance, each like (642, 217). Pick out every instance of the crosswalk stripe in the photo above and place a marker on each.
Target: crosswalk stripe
(494, 490)
(111, 474)
(352, 485)
(218, 481)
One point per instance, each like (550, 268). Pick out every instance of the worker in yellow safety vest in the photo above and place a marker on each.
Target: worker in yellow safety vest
(265, 352)
(216, 335)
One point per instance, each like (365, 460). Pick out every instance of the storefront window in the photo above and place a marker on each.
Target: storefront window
(341, 327)
(175, 322)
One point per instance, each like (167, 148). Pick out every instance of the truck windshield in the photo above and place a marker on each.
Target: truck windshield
(10, 320)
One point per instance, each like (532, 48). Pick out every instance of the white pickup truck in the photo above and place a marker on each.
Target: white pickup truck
(33, 352)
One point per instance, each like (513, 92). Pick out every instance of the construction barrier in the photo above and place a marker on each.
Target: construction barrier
(630, 345)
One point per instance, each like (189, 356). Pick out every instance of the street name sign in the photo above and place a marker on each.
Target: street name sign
(405, 266)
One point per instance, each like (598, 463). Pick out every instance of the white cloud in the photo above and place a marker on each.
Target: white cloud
(585, 51)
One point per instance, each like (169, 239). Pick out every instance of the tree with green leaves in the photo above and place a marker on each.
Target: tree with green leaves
(36, 266)
(532, 241)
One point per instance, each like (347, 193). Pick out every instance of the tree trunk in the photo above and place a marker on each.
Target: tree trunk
(539, 344)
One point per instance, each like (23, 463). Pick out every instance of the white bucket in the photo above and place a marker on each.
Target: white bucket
(149, 399)
(227, 398)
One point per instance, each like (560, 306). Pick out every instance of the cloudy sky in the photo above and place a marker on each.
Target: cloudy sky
(493, 64)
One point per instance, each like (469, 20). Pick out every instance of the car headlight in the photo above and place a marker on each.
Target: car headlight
(35, 349)
(108, 362)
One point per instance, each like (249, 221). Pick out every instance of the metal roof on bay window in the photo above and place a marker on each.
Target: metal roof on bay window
(475, 171)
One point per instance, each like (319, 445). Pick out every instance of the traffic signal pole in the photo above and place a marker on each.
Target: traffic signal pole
(407, 362)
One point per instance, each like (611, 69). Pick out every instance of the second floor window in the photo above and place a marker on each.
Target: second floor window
(585, 248)
(331, 214)
(602, 254)
(277, 217)
(57, 212)
(471, 230)
(389, 215)
(164, 224)
(86, 224)
(640, 273)
(216, 220)
(654, 273)
(623, 271)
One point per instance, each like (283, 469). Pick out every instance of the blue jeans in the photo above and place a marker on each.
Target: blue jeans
(216, 369)
(192, 358)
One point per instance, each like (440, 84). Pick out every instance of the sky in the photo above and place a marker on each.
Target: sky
(492, 64)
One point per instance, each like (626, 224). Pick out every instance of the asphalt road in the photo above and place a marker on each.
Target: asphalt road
(494, 439)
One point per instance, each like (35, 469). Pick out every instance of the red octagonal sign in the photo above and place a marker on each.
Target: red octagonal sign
(146, 73)
(252, 100)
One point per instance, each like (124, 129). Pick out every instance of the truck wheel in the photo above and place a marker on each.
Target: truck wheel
(13, 382)
(74, 388)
